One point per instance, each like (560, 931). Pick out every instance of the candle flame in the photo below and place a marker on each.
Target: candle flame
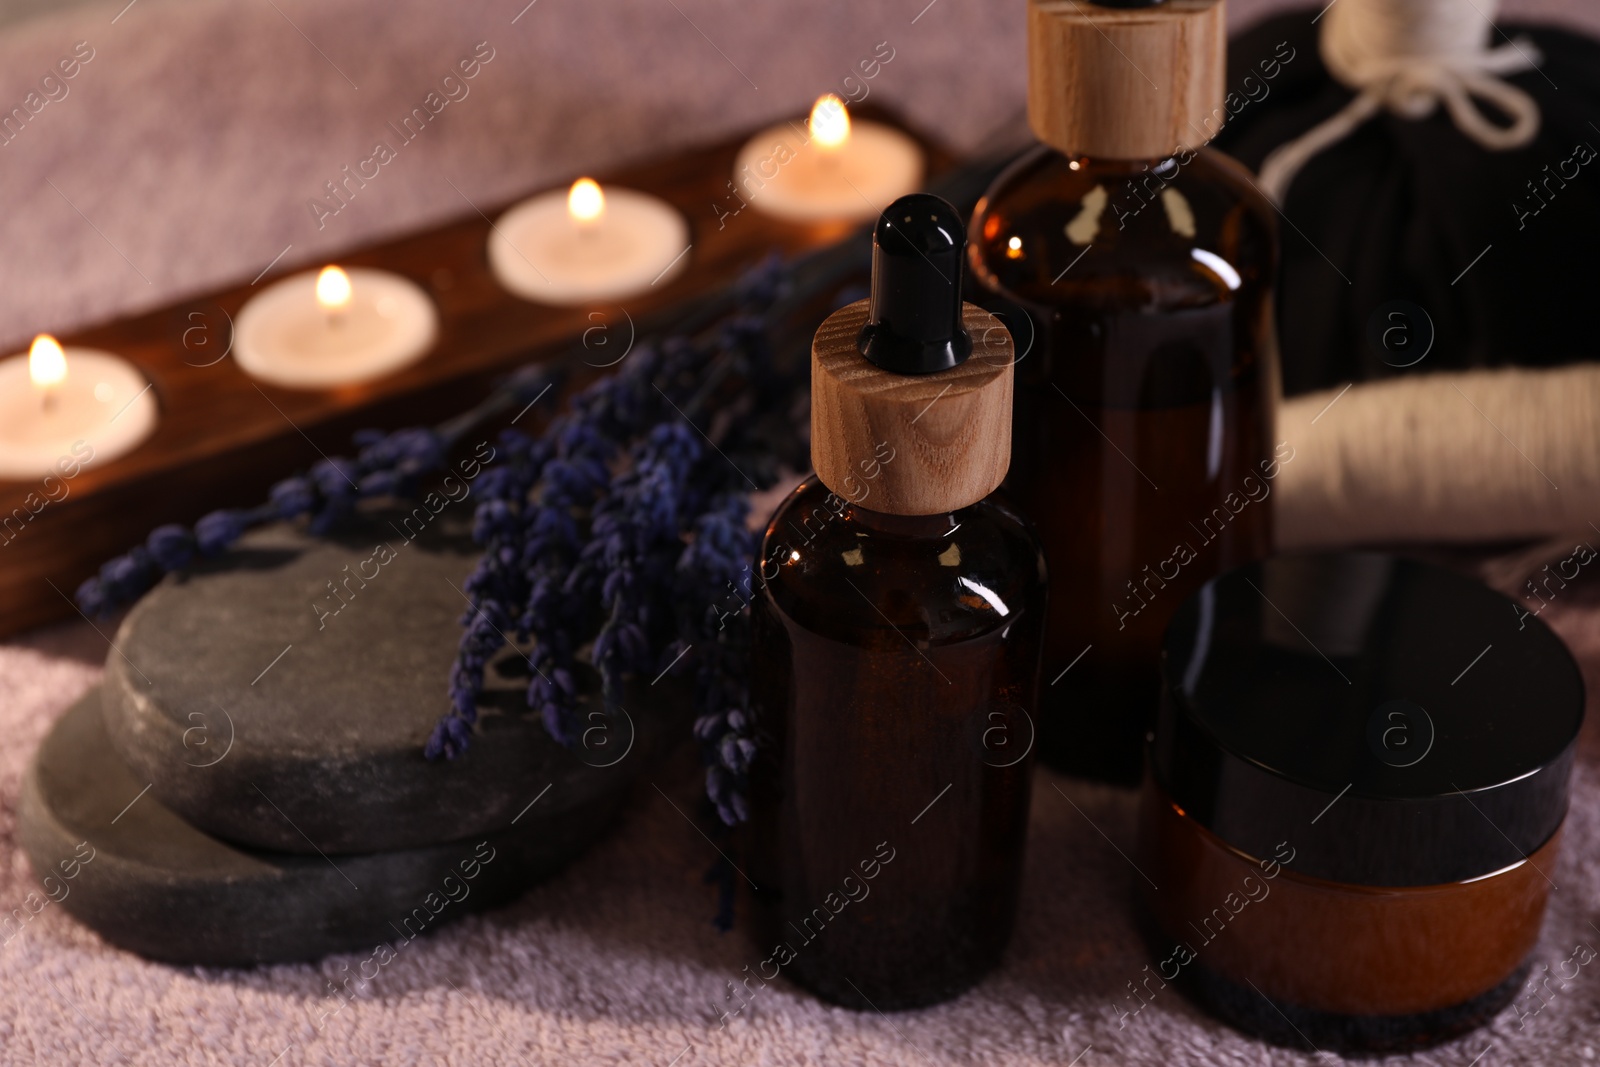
(333, 288)
(47, 364)
(830, 122)
(585, 201)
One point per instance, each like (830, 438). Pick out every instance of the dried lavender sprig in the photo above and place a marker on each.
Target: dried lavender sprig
(532, 571)
(719, 559)
(647, 547)
(385, 465)
(577, 537)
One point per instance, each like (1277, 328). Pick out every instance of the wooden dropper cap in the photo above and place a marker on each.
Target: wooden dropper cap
(1130, 80)
(911, 390)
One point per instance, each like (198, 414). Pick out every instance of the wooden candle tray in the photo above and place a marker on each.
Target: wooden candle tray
(224, 438)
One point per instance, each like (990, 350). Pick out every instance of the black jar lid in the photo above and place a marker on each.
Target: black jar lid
(1392, 722)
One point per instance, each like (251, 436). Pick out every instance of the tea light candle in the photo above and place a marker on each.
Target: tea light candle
(55, 401)
(833, 171)
(588, 246)
(336, 327)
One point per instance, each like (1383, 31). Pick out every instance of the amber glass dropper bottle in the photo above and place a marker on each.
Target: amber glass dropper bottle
(1147, 384)
(896, 634)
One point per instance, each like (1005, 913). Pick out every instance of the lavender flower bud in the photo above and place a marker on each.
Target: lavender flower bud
(292, 497)
(91, 598)
(171, 546)
(217, 530)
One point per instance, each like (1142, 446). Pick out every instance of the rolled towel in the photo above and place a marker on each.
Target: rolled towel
(1494, 455)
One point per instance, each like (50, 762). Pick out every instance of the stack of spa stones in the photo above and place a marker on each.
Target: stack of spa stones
(249, 780)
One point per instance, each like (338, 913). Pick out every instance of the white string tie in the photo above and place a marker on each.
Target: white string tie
(1408, 56)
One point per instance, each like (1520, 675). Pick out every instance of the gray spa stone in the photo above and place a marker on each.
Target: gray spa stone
(272, 709)
(111, 854)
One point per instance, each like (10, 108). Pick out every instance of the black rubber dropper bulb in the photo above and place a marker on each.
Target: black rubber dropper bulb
(914, 319)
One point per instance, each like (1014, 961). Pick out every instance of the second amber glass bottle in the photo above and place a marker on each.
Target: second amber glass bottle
(896, 636)
(1147, 376)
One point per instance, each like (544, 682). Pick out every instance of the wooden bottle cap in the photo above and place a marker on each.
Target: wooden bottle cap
(1126, 82)
(905, 444)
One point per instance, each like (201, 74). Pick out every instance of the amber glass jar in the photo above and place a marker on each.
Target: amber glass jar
(1135, 270)
(1351, 821)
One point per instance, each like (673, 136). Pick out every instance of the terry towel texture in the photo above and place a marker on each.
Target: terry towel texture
(615, 961)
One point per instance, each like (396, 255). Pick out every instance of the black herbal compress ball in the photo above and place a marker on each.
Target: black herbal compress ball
(1409, 247)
